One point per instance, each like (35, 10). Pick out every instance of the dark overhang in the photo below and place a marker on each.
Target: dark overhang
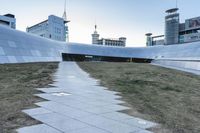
(172, 10)
(10, 15)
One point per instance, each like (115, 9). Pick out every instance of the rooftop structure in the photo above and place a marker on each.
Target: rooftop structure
(65, 14)
(154, 40)
(149, 39)
(66, 21)
(173, 10)
(95, 36)
(8, 20)
(119, 42)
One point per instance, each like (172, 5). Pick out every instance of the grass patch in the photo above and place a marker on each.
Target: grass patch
(166, 96)
(17, 89)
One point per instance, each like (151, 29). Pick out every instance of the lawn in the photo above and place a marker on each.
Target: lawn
(165, 96)
(17, 89)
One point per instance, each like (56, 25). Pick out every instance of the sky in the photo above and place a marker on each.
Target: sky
(114, 18)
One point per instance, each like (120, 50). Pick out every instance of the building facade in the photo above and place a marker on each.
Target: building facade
(176, 32)
(8, 20)
(149, 41)
(172, 27)
(54, 28)
(154, 40)
(190, 30)
(119, 42)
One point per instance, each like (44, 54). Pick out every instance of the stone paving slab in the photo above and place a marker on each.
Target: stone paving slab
(117, 116)
(77, 104)
(108, 124)
(42, 128)
(64, 110)
(142, 131)
(61, 122)
(89, 130)
(37, 111)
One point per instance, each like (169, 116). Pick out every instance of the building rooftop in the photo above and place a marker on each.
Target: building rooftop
(149, 34)
(38, 23)
(173, 10)
(10, 15)
(113, 39)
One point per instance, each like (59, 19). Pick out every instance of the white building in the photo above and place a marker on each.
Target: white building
(8, 20)
(95, 36)
(119, 42)
(54, 28)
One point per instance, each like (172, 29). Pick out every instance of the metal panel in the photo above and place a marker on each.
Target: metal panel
(1, 51)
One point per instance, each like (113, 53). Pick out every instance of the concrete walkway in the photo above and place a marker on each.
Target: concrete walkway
(78, 105)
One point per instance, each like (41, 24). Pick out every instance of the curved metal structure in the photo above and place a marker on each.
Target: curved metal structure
(21, 47)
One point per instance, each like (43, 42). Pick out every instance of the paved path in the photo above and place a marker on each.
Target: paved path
(78, 105)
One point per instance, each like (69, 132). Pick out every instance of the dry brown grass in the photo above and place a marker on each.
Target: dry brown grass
(17, 89)
(168, 97)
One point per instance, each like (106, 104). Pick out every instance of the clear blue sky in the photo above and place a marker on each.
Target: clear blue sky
(115, 18)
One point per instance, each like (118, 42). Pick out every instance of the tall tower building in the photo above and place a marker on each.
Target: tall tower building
(66, 21)
(95, 36)
(149, 39)
(172, 27)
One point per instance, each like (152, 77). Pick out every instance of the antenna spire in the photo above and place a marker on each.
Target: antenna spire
(65, 6)
(95, 27)
(176, 3)
(65, 14)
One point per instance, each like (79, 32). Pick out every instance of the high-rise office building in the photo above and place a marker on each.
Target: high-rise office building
(8, 20)
(172, 27)
(54, 28)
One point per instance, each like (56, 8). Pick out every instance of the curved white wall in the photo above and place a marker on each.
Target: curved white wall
(19, 47)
